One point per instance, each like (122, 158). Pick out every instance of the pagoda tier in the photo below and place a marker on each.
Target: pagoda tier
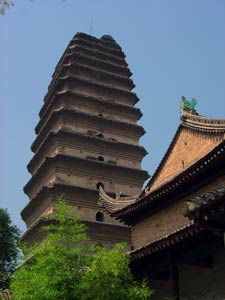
(91, 87)
(90, 147)
(92, 62)
(97, 75)
(87, 137)
(69, 119)
(101, 233)
(71, 169)
(43, 202)
(89, 104)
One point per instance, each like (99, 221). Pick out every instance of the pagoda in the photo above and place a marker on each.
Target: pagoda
(87, 137)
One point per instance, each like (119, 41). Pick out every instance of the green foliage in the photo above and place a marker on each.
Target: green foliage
(54, 268)
(4, 5)
(64, 267)
(9, 252)
(109, 277)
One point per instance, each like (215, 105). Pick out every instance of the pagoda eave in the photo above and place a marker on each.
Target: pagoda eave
(140, 175)
(137, 151)
(91, 44)
(69, 80)
(55, 189)
(92, 61)
(98, 54)
(92, 38)
(100, 100)
(92, 71)
(135, 130)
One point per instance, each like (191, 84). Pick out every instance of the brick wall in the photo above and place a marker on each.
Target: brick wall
(188, 148)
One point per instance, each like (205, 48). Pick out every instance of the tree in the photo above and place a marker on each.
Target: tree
(9, 252)
(109, 277)
(64, 267)
(4, 5)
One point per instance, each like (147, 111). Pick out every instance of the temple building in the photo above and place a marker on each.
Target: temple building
(87, 148)
(178, 221)
(87, 138)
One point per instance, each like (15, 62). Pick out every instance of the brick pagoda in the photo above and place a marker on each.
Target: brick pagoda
(87, 137)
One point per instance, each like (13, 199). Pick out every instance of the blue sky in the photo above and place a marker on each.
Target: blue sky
(173, 48)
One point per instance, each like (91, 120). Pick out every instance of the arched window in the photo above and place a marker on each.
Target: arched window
(99, 184)
(100, 115)
(99, 216)
(100, 135)
(101, 158)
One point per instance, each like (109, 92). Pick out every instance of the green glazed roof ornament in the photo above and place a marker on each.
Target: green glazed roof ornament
(188, 105)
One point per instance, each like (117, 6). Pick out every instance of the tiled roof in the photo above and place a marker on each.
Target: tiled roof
(203, 124)
(205, 201)
(197, 124)
(165, 242)
(126, 212)
(113, 204)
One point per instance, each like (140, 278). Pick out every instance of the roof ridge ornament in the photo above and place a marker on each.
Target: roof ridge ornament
(188, 106)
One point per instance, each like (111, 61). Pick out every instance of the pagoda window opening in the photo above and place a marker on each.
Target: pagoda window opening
(99, 184)
(98, 245)
(99, 216)
(100, 158)
(100, 115)
(100, 135)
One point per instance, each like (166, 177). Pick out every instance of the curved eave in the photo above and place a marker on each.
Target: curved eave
(113, 204)
(139, 130)
(154, 198)
(203, 124)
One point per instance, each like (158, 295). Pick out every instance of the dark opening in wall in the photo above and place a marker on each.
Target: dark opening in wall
(98, 245)
(101, 158)
(100, 115)
(99, 184)
(99, 216)
(100, 135)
